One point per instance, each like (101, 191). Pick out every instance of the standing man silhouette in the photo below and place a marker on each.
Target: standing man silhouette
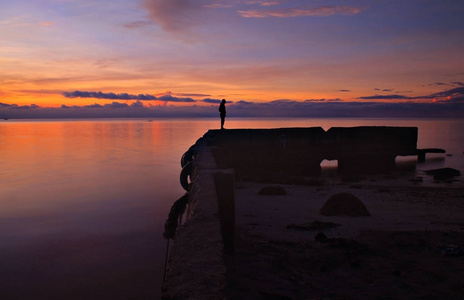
(222, 111)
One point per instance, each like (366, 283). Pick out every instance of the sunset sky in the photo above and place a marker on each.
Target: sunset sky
(391, 54)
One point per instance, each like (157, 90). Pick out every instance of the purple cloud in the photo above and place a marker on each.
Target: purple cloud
(323, 100)
(125, 96)
(116, 105)
(113, 96)
(192, 95)
(170, 98)
(453, 108)
(137, 104)
(321, 11)
(384, 97)
(175, 15)
(213, 101)
(438, 84)
(95, 105)
(16, 106)
(243, 102)
(452, 93)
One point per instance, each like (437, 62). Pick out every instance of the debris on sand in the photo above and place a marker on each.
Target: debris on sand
(272, 190)
(315, 225)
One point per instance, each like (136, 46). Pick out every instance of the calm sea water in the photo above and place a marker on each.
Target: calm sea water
(83, 202)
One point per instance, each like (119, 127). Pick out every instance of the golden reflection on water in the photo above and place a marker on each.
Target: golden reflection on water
(83, 190)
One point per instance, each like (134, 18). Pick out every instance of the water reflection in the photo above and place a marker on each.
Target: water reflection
(82, 207)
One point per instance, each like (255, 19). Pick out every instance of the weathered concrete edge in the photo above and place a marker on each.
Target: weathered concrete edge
(196, 268)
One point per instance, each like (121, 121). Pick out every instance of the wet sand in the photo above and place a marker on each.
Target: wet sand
(407, 249)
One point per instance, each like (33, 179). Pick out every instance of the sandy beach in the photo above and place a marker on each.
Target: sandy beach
(411, 247)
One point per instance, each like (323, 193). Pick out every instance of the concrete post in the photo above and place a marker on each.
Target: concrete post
(226, 206)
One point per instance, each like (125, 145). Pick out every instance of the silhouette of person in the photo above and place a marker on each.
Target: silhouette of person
(222, 111)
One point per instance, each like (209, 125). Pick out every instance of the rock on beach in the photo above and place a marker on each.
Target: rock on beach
(344, 204)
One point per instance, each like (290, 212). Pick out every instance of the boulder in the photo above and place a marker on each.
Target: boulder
(443, 173)
(344, 204)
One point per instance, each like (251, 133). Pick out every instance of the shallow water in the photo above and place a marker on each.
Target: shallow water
(83, 202)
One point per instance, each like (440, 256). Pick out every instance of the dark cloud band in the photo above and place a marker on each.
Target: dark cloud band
(385, 97)
(125, 96)
(112, 96)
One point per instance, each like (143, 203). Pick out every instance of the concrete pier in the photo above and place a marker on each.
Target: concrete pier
(196, 268)
(287, 152)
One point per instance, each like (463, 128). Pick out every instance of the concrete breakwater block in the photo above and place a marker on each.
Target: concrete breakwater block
(344, 204)
(260, 153)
